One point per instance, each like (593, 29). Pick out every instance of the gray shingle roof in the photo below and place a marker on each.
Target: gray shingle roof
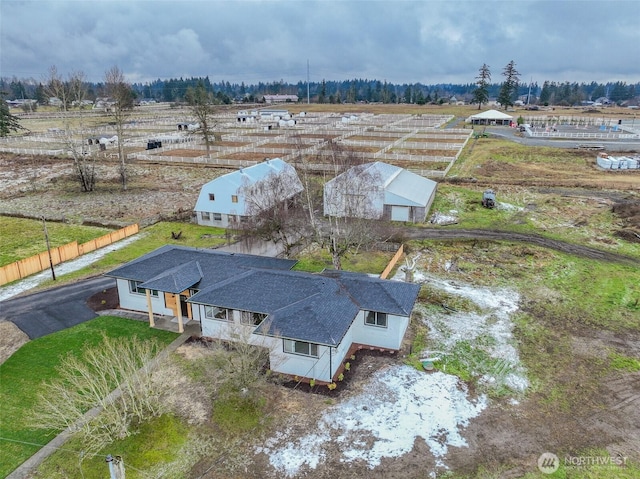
(301, 306)
(215, 266)
(375, 294)
(318, 308)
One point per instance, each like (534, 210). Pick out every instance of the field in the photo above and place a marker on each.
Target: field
(546, 343)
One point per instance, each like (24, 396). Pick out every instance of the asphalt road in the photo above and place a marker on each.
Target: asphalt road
(511, 134)
(55, 309)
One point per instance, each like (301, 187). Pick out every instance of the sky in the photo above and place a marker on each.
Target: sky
(251, 41)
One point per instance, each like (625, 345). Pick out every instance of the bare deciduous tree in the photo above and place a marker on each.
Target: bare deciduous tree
(86, 382)
(71, 92)
(201, 102)
(349, 205)
(121, 97)
(271, 208)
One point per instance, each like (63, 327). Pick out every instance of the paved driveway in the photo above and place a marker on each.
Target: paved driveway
(46, 312)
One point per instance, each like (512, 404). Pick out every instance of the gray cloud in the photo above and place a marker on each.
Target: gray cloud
(251, 41)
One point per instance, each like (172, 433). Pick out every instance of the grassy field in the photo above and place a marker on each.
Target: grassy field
(40, 357)
(150, 238)
(21, 238)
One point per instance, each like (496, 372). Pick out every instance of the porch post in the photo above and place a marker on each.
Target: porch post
(151, 322)
(179, 306)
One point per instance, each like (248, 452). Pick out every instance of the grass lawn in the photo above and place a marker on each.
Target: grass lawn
(21, 237)
(35, 362)
(151, 238)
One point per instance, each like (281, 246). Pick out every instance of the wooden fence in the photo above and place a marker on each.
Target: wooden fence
(393, 262)
(40, 262)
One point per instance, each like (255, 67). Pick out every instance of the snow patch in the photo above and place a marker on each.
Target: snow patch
(400, 405)
(491, 328)
(444, 219)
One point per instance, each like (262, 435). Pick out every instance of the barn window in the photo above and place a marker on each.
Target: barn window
(205, 215)
(217, 216)
(212, 197)
(234, 198)
(373, 318)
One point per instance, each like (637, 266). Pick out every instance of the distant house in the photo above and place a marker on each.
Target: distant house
(379, 191)
(280, 98)
(232, 198)
(310, 323)
(490, 117)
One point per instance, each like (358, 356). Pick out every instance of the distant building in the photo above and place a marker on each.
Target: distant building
(490, 117)
(280, 98)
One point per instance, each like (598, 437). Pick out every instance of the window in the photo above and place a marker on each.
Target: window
(212, 197)
(205, 215)
(250, 318)
(232, 218)
(300, 347)
(217, 216)
(134, 287)
(244, 219)
(213, 312)
(234, 198)
(374, 318)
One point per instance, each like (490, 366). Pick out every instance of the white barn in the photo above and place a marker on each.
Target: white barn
(490, 117)
(224, 202)
(379, 191)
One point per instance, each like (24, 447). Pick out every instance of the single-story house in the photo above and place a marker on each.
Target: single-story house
(379, 191)
(490, 117)
(232, 198)
(310, 323)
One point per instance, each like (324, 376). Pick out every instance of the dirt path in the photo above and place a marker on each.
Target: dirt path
(497, 235)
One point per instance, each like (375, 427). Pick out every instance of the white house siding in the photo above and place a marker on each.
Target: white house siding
(138, 302)
(389, 337)
(304, 366)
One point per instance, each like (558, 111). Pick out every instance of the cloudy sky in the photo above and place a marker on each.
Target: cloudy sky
(400, 41)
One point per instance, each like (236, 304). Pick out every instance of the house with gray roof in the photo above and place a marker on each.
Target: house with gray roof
(379, 191)
(308, 322)
(231, 199)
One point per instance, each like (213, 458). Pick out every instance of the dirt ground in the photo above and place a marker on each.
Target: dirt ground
(507, 437)
(36, 186)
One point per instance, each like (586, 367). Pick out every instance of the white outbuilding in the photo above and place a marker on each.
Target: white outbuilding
(230, 199)
(490, 117)
(379, 191)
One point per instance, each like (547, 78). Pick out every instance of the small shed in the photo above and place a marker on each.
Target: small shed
(490, 117)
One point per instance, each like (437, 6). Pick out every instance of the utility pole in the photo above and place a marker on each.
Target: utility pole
(308, 82)
(46, 237)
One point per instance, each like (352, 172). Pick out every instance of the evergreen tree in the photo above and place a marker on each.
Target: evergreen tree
(510, 85)
(481, 94)
(8, 122)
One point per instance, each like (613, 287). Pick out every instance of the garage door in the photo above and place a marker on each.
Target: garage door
(400, 213)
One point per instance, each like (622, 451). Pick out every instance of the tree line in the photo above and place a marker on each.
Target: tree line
(344, 91)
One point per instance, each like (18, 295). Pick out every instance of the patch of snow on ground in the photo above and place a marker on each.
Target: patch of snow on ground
(443, 219)
(494, 322)
(400, 404)
(508, 207)
(32, 281)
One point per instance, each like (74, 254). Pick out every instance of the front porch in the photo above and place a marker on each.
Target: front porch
(166, 323)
